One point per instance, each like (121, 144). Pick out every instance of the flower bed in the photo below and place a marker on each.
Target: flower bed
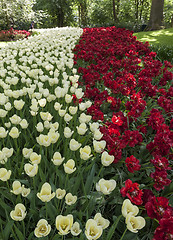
(13, 35)
(72, 169)
(132, 94)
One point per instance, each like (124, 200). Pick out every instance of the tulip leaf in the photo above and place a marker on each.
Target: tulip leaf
(112, 229)
(42, 175)
(7, 195)
(130, 235)
(89, 181)
(3, 205)
(56, 237)
(31, 235)
(7, 230)
(52, 211)
(19, 233)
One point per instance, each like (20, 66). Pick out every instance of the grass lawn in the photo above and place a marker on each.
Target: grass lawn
(161, 37)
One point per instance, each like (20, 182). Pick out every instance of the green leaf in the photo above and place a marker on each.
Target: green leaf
(6, 194)
(7, 230)
(31, 235)
(91, 205)
(5, 206)
(42, 175)
(112, 229)
(56, 237)
(89, 181)
(168, 190)
(19, 233)
(130, 235)
(2, 213)
(51, 210)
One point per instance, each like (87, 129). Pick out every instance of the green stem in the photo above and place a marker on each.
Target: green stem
(146, 168)
(46, 209)
(14, 235)
(23, 226)
(8, 186)
(145, 163)
(15, 143)
(156, 220)
(62, 207)
(123, 234)
(66, 180)
(100, 171)
(34, 183)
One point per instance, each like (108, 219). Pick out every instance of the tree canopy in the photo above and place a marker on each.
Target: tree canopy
(52, 13)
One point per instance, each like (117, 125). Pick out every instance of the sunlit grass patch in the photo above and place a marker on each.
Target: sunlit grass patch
(164, 36)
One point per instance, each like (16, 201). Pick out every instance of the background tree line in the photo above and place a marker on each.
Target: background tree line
(132, 14)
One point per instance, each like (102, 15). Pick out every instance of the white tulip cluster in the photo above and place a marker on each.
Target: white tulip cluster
(46, 129)
(129, 211)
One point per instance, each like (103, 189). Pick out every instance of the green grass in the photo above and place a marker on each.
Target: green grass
(161, 42)
(160, 37)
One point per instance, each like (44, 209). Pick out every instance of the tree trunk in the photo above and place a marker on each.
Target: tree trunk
(83, 11)
(61, 18)
(156, 15)
(118, 8)
(114, 12)
(79, 11)
(137, 9)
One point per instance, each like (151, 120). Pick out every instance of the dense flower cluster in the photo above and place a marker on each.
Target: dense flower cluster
(50, 149)
(132, 95)
(13, 34)
(78, 139)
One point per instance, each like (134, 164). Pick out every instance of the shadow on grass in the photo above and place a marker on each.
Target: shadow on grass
(164, 36)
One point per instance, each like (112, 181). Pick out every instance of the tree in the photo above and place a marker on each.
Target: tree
(17, 14)
(114, 11)
(60, 12)
(82, 6)
(156, 15)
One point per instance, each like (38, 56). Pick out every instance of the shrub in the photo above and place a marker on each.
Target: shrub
(164, 52)
(13, 35)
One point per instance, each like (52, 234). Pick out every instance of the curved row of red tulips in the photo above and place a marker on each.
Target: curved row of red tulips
(132, 96)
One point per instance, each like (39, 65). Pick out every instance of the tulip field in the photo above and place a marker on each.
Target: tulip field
(86, 137)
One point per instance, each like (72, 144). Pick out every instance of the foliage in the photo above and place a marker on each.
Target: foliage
(60, 12)
(164, 52)
(100, 13)
(131, 14)
(18, 14)
(168, 13)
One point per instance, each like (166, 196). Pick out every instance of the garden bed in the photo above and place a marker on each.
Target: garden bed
(86, 137)
(13, 35)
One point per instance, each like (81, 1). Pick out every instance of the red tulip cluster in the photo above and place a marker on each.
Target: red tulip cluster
(132, 95)
(132, 191)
